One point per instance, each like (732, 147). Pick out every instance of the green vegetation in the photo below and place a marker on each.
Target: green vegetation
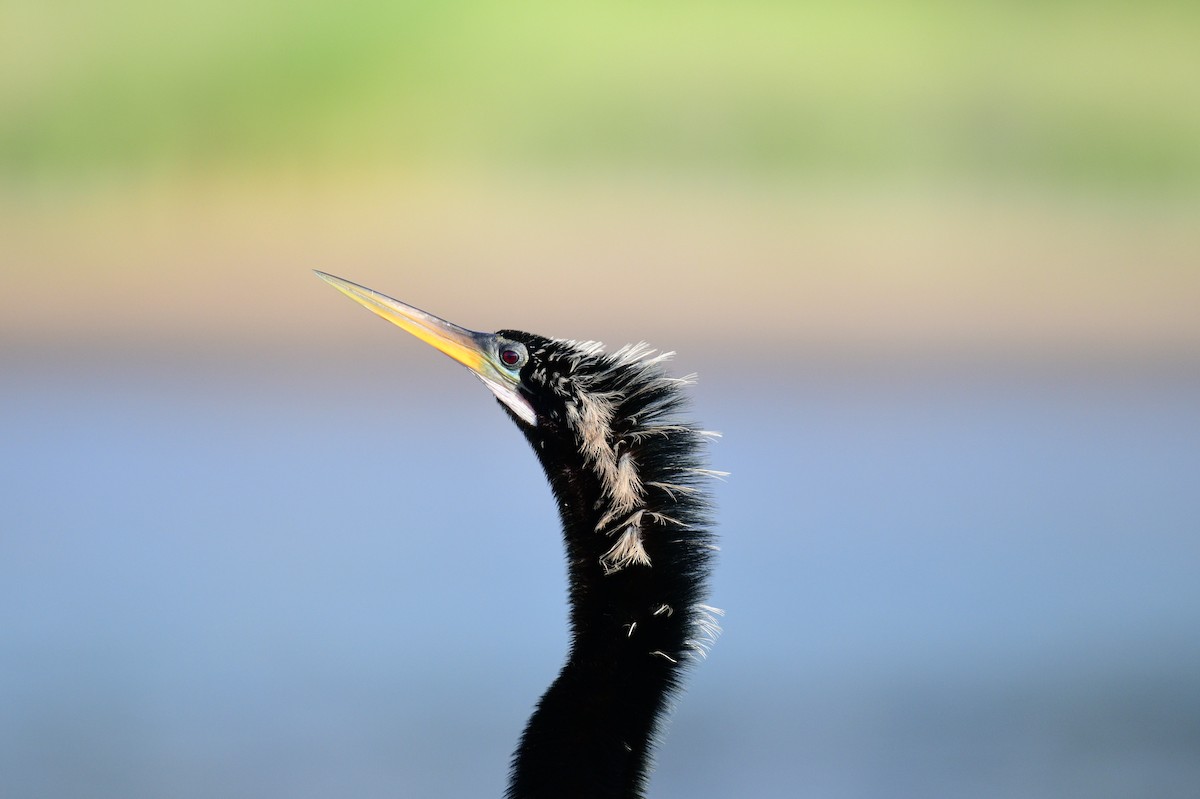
(1074, 93)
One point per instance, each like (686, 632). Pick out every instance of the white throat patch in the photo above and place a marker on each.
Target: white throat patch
(511, 398)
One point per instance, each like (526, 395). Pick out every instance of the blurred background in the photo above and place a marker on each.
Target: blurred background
(937, 264)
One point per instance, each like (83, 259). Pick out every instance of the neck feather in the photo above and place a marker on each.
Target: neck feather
(634, 528)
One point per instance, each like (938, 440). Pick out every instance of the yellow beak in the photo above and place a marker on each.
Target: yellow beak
(459, 343)
(476, 351)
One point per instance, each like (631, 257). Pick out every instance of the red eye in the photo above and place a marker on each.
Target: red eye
(510, 357)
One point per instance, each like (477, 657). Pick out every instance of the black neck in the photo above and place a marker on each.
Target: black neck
(591, 734)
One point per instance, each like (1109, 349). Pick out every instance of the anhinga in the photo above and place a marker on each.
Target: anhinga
(626, 473)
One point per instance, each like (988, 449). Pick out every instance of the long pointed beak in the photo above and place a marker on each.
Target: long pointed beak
(465, 346)
(476, 351)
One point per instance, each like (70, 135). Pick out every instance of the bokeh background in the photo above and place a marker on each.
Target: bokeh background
(937, 264)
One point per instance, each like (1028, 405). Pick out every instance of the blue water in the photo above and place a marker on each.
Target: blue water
(254, 582)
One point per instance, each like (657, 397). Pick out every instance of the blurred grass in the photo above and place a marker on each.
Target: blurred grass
(994, 179)
(1089, 94)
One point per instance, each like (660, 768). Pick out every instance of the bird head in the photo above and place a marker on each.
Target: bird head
(541, 381)
(610, 416)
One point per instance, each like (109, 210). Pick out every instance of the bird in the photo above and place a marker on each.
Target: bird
(628, 474)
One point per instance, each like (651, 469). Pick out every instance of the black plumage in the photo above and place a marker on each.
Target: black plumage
(628, 477)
